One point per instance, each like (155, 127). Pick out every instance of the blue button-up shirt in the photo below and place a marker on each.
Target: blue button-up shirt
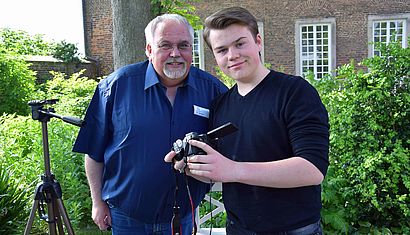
(131, 125)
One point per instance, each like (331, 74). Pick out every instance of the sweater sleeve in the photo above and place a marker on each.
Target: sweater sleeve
(308, 125)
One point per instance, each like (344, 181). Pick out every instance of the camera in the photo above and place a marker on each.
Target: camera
(183, 149)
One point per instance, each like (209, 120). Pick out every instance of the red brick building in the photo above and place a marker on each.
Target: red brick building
(298, 35)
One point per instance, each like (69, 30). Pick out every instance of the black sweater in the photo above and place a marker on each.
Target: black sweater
(281, 117)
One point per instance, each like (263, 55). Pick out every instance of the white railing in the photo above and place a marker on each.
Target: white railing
(217, 187)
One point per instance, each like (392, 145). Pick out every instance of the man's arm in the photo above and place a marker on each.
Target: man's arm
(287, 173)
(100, 211)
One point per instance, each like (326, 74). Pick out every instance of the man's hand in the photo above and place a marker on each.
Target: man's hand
(213, 165)
(178, 165)
(182, 166)
(101, 215)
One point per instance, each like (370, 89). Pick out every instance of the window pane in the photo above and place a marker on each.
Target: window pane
(392, 24)
(376, 25)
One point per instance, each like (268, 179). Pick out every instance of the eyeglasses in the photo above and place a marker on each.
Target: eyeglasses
(168, 47)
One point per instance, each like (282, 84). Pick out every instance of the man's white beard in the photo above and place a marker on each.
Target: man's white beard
(175, 73)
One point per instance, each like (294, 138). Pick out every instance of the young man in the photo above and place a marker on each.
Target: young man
(135, 115)
(272, 167)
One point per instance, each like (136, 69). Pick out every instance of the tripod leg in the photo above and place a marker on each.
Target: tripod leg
(57, 217)
(51, 215)
(65, 216)
(31, 218)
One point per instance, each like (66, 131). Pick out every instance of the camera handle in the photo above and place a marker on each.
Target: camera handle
(49, 190)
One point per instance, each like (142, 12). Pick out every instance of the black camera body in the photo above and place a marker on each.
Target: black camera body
(183, 149)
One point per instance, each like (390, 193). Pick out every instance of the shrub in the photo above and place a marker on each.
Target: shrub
(21, 147)
(74, 93)
(22, 43)
(367, 186)
(13, 200)
(17, 83)
(65, 51)
(22, 150)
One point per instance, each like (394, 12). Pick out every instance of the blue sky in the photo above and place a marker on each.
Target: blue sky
(55, 19)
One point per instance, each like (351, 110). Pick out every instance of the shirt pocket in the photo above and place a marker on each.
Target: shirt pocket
(120, 121)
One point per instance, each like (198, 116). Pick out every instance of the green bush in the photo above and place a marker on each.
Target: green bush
(13, 200)
(22, 43)
(367, 186)
(21, 147)
(65, 51)
(17, 83)
(74, 94)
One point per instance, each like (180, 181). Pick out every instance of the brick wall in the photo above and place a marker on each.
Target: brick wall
(42, 65)
(278, 17)
(98, 33)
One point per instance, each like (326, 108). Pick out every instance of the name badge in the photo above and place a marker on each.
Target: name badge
(200, 111)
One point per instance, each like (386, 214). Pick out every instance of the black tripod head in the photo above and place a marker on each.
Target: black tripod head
(42, 114)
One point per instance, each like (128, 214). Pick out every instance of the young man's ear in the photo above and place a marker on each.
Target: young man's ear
(259, 41)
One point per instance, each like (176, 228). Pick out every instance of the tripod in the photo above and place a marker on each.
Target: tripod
(48, 193)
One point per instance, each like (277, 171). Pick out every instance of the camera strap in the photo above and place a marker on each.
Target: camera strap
(176, 217)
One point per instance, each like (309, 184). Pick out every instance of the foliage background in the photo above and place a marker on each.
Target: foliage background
(366, 190)
(17, 82)
(22, 150)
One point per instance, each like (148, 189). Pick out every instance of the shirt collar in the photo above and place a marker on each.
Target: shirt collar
(151, 78)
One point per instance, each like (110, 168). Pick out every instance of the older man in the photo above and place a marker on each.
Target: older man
(135, 115)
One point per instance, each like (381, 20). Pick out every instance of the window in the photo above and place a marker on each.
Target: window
(315, 50)
(315, 46)
(198, 50)
(386, 29)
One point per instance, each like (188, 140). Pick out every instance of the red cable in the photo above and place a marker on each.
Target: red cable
(192, 204)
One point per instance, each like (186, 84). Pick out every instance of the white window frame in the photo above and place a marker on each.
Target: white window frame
(261, 32)
(331, 44)
(199, 48)
(373, 19)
